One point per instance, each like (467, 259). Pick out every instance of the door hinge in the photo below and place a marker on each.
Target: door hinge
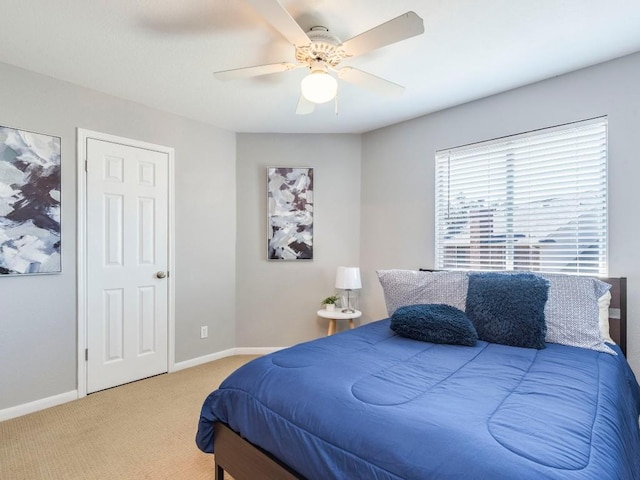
(86, 354)
(86, 165)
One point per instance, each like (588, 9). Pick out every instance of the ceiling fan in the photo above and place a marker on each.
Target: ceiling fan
(322, 52)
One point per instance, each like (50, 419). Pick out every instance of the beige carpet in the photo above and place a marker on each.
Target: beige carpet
(143, 430)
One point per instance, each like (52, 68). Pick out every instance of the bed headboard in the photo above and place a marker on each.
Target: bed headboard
(617, 309)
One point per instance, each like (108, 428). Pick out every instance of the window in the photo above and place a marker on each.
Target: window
(535, 201)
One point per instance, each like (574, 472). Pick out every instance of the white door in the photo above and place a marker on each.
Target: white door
(127, 259)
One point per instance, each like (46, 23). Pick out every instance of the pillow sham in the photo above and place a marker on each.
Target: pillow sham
(603, 316)
(572, 312)
(410, 287)
(435, 323)
(508, 309)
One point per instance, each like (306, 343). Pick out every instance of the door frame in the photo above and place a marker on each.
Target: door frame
(83, 135)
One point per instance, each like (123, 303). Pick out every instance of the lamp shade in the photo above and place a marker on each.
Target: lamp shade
(319, 87)
(348, 278)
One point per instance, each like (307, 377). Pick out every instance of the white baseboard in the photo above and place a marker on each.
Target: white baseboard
(25, 408)
(224, 353)
(204, 359)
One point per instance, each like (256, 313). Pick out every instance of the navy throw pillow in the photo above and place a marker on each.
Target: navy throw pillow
(435, 323)
(508, 308)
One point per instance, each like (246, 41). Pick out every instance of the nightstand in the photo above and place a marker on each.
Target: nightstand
(338, 315)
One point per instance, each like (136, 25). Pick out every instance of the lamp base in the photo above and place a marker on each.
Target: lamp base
(349, 304)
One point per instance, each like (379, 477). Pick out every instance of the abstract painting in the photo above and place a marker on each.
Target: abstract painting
(29, 202)
(290, 197)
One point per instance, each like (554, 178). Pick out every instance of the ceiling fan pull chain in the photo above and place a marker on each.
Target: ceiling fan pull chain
(335, 103)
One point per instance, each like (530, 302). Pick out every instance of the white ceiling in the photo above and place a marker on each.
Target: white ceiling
(162, 53)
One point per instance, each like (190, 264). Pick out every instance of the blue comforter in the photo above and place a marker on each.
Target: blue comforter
(367, 404)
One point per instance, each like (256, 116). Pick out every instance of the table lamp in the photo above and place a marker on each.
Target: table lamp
(348, 279)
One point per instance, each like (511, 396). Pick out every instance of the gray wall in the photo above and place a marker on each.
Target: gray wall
(374, 208)
(397, 215)
(277, 300)
(38, 313)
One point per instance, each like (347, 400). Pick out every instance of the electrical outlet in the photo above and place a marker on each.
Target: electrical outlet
(204, 331)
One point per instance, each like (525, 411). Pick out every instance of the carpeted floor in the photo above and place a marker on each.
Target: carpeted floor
(143, 430)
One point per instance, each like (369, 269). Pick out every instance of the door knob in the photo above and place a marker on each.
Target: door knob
(161, 275)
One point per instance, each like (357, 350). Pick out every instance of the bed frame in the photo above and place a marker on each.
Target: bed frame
(245, 461)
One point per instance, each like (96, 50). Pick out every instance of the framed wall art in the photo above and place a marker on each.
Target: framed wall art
(290, 213)
(29, 202)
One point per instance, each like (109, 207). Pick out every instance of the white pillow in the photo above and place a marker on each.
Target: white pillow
(603, 305)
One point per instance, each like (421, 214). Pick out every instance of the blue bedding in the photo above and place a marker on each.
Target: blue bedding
(367, 404)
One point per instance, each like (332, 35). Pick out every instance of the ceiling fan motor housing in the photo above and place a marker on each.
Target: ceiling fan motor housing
(324, 47)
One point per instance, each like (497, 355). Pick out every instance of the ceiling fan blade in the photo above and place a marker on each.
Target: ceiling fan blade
(247, 72)
(370, 82)
(275, 14)
(400, 28)
(305, 107)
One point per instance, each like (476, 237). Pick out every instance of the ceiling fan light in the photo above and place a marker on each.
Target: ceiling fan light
(319, 87)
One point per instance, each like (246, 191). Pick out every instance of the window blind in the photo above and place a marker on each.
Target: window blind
(535, 201)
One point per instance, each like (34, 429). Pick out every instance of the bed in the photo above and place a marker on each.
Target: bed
(369, 403)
